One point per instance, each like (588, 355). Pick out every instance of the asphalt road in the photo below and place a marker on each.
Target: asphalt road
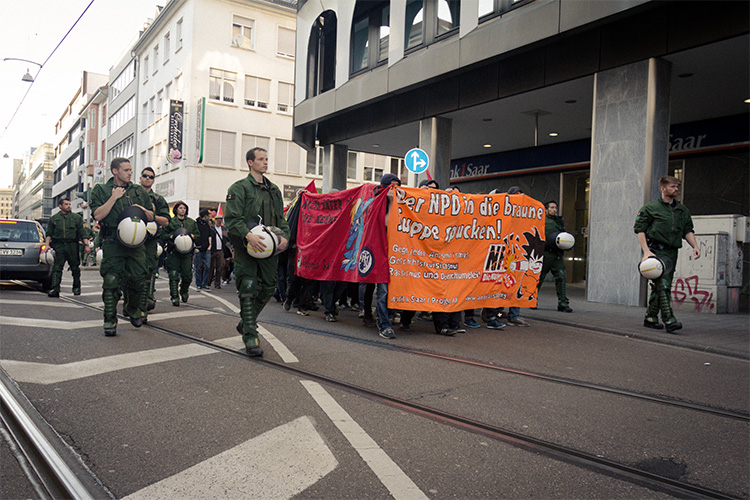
(155, 415)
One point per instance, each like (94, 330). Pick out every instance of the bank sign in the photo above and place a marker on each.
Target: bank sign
(684, 138)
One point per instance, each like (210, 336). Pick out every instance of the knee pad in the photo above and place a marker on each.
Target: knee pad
(110, 282)
(248, 288)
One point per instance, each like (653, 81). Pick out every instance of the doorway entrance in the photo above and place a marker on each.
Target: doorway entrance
(575, 211)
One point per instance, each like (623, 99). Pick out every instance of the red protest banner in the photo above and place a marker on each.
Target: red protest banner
(341, 236)
(455, 251)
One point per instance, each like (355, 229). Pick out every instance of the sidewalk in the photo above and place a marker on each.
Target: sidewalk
(726, 334)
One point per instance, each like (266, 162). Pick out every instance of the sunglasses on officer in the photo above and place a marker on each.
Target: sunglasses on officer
(148, 176)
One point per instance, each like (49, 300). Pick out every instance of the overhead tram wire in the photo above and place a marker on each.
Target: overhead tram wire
(42, 66)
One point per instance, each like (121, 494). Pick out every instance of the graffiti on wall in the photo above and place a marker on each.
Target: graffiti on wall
(688, 290)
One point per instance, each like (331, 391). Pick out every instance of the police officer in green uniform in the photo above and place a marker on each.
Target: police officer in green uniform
(87, 234)
(247, 199)
(179, 265)
(121, 266)
(161, 216)
(553, 256)
(64, 231)
(661, 225)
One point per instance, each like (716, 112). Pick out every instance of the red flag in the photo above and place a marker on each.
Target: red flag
(311, 187)
(219, 212)
(341, 236)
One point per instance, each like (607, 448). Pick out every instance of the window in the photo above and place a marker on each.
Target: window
(145, 69)
(370, 34)
(178, 33)
(287, 157)
(315, 161)
(92, 118)
(219, 148)
(156, 58)
(448, 15)
(122, 115)
(123, 149)
(257, 92)
(123, 79)
(414, 17)
(351, 166)
(221, 85)
(321, 56)
(166, 47)
(243, 30)
(151, 110)
(160, 105)
(286, 97)
(489, 7)
(285, 43)
(253, 141)
(144, 116)
(374, 165)
(398, 167)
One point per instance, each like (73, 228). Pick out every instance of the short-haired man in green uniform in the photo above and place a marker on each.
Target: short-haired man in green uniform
(661, 225)
(161, 216)
(251, 201)
(179, 265)
(121, 266)
(553, 256)
(64, 230)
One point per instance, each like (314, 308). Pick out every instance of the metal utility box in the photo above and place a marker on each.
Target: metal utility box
(700, 285)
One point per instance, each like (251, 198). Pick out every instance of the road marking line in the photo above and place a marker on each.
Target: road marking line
(229, 305)
(278, 464)
(43, 373)
(50, 324)
(279, 347)
(51, 303)
(387, 471)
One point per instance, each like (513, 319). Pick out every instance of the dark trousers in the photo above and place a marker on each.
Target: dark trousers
(329, 292)
(443, 320)
(217, 267)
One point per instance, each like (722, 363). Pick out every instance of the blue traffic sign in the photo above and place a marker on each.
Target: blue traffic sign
(417, 160)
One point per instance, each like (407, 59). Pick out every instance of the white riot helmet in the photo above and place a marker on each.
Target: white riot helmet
(183, 242)
(91, 243)
(652, 268)
(270, 238)
(151, 228)
(131, 230)
(47, 256)
(159, 250)
(565, 241)
(99, 256)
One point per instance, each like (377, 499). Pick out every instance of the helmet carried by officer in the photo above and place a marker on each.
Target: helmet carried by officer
(182, 241)
(653, 267)
(271, 237)
(131, 228)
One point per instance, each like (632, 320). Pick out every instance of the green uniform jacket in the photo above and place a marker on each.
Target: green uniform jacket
(553, 224)
(161, 207)
(246, 199)
(134, 195)
(65, 229)
(664, 224)
(87, 233)
(176, 223)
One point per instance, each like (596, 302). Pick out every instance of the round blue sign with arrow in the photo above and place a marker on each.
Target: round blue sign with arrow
(417, 160)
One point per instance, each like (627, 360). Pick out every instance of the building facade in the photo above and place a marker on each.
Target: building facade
(77, 143)
(6, 203)
(33, 185)
(585, 102)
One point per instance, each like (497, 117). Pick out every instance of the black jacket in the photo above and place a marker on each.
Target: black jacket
(205, 231)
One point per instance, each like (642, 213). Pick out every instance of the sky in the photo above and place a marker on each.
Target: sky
(31, 29)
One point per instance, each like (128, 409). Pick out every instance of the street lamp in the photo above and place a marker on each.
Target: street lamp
(27, 77)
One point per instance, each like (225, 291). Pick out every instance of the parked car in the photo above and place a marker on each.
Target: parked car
(21, 242)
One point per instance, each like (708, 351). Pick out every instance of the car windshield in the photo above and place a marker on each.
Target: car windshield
(18, 231)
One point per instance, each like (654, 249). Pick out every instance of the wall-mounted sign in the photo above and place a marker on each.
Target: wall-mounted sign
(174, 144)
(200, 127)
(417, 160)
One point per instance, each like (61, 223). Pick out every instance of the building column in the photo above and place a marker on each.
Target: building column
(435, 138)
(335, 158)
(629, 153)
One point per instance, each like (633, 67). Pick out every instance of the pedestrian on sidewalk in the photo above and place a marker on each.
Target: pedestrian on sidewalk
(661, 225)
(553, 256)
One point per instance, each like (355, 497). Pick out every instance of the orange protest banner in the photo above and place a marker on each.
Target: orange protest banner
(454, 251)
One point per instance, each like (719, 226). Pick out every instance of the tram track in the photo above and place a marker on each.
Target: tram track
(563, 453)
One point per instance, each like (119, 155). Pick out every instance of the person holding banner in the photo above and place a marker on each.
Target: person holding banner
(385, 329)
(253, 201)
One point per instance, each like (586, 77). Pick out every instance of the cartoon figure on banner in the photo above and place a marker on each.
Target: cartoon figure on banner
(530, 263)
(354, 240)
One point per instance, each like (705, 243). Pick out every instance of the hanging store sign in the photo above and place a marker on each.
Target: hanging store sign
(176, 117)
(200, 128)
